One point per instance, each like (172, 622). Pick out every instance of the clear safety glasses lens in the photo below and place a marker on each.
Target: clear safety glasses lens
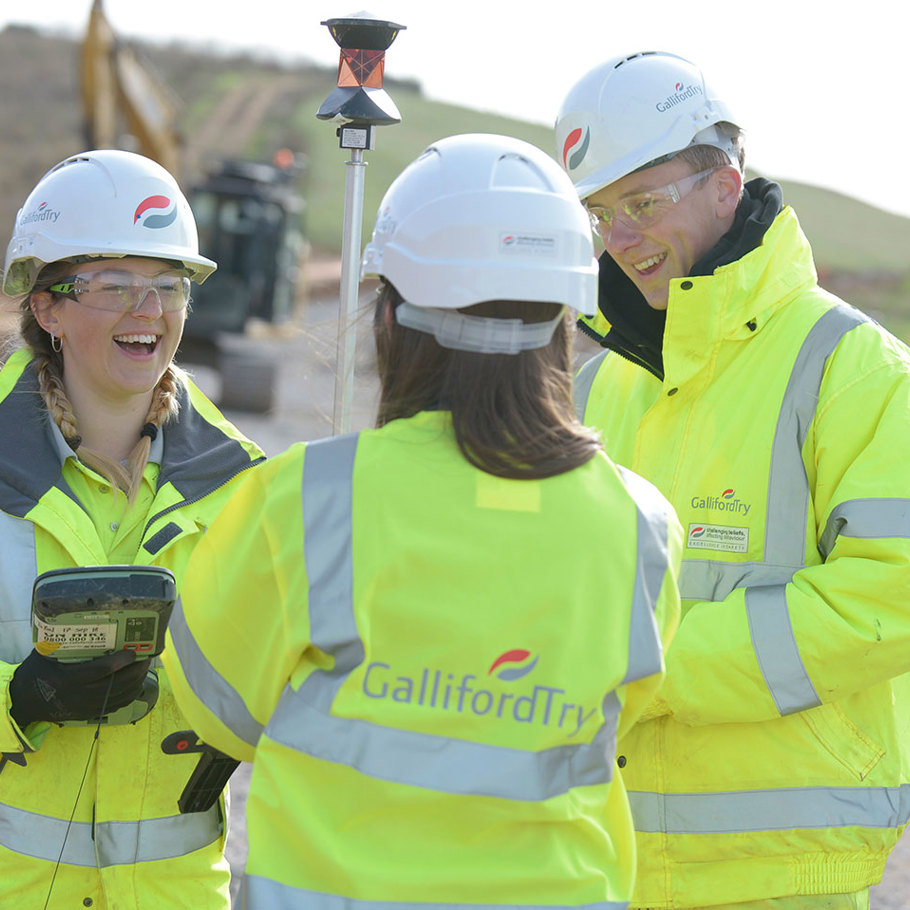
(641, 210)
(123, 292)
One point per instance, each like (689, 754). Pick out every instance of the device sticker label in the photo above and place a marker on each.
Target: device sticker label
(58, 637)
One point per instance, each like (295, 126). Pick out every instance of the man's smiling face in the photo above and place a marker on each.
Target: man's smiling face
(654, 255)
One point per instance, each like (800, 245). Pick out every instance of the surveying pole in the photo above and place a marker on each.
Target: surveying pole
(360, 104)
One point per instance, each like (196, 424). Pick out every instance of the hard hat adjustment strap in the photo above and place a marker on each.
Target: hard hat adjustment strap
(479, 334)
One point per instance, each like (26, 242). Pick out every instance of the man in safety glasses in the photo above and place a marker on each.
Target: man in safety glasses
(772, 771)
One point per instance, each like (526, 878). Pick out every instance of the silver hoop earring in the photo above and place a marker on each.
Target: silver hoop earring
(56, 343)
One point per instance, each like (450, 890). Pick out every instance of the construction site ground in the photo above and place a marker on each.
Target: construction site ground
(304, 352)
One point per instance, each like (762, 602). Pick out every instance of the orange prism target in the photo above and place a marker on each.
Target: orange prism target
(361, 67)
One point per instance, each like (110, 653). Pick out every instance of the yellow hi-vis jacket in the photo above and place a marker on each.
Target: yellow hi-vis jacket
(775, 761)
(428, 671)
(128, 847)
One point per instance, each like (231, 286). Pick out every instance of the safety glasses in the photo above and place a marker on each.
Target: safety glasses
(641, 210)
(123, 292)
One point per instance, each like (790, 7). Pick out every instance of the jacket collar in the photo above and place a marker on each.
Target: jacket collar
(627, 325)
(197, 456)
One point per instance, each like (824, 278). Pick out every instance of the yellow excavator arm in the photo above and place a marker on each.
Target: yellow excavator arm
(119, 88)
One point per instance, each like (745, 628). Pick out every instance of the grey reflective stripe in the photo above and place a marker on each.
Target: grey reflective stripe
(584, 380)
(788, 506)
(18, 568)
(651, 569)
(209, 686)
(788, 487)
(328, 469)
(111, 843)
(786, 515)
(867, 518)
(770, 810)
(442, 764)
(258, 893)
(303, 719)
(776, 650)
(708, 579)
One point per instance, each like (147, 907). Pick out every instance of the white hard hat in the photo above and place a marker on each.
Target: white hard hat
(481, 217)
(635, 110)
(105, 203)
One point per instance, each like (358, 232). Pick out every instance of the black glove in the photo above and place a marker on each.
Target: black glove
(46, 689)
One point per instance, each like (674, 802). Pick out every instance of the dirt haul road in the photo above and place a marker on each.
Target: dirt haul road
(305, 353)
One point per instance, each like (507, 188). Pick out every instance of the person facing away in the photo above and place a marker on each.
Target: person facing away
(772, 769)
(410, 642)
(108, 455)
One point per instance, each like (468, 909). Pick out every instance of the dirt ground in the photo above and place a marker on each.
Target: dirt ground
(304, 394)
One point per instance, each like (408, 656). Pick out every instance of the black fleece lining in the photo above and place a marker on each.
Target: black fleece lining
(637, 330)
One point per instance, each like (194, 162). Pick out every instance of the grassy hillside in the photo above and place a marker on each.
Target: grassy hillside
(249, 107)
(422, 121)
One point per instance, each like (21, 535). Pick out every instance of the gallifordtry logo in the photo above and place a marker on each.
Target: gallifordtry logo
(680, 93)
(726, 502)
(467, 693)
(42, 213)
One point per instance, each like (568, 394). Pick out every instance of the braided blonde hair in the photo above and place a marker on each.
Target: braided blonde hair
(49, 370)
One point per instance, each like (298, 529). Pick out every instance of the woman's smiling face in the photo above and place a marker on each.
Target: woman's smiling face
(113, 355)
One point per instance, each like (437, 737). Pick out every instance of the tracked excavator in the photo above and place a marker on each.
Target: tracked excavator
(248, 213)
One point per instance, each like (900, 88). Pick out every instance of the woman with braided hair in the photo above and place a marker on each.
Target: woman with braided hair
(109, 455)
(47, 349)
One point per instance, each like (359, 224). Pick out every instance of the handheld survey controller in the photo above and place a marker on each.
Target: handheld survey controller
(89, 611)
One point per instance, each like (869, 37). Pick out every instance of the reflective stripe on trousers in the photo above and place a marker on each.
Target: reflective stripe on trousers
(107, 843)
(258, 893)
(303, 720)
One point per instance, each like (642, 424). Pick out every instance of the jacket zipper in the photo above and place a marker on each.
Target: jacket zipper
(625, 354)
(187, 502)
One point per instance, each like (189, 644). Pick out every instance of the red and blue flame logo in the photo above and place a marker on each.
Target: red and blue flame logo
(159, 212)
(513, 664)
(575, 147)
